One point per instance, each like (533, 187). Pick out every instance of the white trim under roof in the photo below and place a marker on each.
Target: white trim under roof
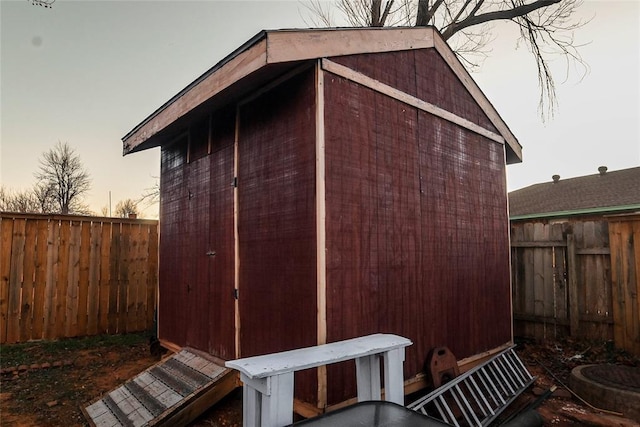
(286, 46)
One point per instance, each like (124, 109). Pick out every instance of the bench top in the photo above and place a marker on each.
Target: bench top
(310, 357)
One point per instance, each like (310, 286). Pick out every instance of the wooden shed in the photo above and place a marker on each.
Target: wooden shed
(319, 185)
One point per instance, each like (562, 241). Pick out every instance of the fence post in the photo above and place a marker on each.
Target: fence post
(574, 312)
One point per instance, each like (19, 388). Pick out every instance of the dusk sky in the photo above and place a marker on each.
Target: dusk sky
(87, 72)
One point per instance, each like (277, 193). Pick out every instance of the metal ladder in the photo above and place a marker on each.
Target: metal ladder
(478, 396)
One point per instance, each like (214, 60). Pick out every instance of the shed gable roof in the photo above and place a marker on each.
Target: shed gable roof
(271, 53)
(608, 192)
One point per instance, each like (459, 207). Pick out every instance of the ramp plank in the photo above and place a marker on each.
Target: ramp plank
(172, 392)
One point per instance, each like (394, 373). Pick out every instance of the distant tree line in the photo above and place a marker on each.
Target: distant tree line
(62, 183)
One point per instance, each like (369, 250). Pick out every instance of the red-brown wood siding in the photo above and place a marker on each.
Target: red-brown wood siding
(197, 274)
(172, 318)
(421, 73)
(276, 202)
(417, 230)
(196, 289)
(221, 326)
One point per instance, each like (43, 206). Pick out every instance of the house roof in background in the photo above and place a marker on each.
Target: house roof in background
(604, 192)
(272, 53)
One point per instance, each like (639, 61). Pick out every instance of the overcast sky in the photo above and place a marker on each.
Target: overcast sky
(87, 72)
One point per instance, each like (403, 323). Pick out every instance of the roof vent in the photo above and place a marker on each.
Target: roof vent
(602, 170)
(555, 178)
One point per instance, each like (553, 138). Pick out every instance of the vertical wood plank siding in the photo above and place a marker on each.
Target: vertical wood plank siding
(276, 189)
(197, 274)
(221, 238)
(417, 227)
(423, 74)
(172, 306)
(57, 276)
(197, 245)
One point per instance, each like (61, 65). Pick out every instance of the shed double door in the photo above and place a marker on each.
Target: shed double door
(250, 243)
(210, 251)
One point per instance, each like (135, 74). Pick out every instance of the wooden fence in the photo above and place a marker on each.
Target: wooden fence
(68, 276)
(565, 283)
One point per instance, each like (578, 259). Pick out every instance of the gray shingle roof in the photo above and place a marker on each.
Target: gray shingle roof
(612, 191)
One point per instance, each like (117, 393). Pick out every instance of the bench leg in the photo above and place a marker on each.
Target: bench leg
(393, 376)
(277, 406)
(267, 402)
(368, 377)
(251, 402)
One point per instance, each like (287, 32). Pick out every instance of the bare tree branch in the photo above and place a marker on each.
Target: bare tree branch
(546, 26)
(151, 195)
(506, 14)
(127, 208)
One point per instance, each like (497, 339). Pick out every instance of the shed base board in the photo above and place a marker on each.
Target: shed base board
(174, 348)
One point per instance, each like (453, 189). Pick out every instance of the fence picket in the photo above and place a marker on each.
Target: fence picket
(152, 275)
(40, 281)
(15, 281)
(26, 305)
(83, 277)
(62, 279)
(142, 272)
(6, 231)
(72, 302)
(53, 247)
(93, 259)
(123, 278)
(105, 277)
(114, 268)
(133, 277)
(624, 235)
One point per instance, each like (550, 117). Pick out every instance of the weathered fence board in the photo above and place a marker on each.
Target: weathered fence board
(561, 279)
(42, 247)
(67, 276)
(15, 277)
(624, 235)
(579, 277)
(105, 277)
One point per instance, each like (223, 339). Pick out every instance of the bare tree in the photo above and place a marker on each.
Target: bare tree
(35, 200)
(5, 199)
(63, 180)
(126, 208)
(546, 27)
(18, 201)
(44, 196)
(151, 195)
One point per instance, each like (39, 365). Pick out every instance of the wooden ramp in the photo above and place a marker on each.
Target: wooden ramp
(173, 392)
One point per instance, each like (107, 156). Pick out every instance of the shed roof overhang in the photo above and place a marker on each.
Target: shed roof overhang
(271, 53)
(603, 210)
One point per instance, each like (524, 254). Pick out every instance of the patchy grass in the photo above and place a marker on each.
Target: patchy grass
(53, 396)
(41, 351)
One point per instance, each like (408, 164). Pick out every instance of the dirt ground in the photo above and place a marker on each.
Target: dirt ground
(46, 394)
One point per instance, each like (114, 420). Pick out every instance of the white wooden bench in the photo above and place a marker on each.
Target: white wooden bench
(268, 379)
